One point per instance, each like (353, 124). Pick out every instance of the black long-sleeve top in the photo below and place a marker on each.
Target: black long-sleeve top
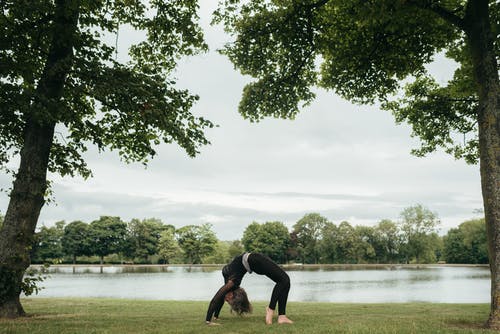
(233, 274)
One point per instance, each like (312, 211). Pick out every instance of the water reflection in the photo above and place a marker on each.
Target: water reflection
(122, 269)
(397, 284)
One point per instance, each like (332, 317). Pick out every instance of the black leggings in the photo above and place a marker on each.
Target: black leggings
(263, 265)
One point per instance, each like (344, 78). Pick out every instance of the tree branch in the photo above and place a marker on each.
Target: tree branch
(448, 16)
(442, 12)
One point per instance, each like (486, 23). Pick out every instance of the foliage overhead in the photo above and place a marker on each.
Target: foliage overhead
(129, 107)
(365, 51)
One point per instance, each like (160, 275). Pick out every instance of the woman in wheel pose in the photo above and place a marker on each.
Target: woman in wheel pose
(236, 296)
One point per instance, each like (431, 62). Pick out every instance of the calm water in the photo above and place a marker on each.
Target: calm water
(434, 284)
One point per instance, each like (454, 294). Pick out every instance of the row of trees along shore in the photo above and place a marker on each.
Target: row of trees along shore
(313, 240)
(58, 70)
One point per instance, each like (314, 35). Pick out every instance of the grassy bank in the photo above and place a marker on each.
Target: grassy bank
(110, 316)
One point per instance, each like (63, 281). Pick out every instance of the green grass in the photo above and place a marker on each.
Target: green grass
(86, 316)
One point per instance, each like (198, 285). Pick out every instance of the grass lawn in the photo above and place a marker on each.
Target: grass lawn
(120, 316)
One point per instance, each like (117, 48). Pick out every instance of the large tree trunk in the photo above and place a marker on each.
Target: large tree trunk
(26, 200)
(27, 196)
(480, 39)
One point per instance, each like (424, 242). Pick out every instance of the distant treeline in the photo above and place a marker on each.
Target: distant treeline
(313, 239)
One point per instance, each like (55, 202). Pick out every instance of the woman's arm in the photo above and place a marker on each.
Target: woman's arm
(218, 300)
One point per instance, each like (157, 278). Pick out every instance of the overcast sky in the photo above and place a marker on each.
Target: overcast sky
(343, 161)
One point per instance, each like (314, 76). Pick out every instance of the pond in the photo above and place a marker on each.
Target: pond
(393, 284)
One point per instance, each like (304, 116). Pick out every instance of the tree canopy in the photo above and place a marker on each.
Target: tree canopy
(128, 107)
(107, 235)
(308, 234)
(143, 237)
(418, 224)
(76, 239)
(467, 243)
(196, 242)
(365, 51)
(270, 238)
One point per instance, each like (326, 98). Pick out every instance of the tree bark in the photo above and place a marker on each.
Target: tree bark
(27, 195)
(481, 43)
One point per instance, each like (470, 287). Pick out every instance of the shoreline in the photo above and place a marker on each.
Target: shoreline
(296, 266)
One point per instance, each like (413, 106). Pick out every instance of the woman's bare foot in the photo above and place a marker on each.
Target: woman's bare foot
(211, 323)
(282, 319)
(269, 315)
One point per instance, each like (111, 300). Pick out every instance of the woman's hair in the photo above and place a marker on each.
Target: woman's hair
(240, 303)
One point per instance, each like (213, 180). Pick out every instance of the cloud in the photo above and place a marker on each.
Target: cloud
(230, 212)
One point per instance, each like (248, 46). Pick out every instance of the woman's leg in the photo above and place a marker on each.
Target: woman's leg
(280, 294)
(265, 266)
(282, 288)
